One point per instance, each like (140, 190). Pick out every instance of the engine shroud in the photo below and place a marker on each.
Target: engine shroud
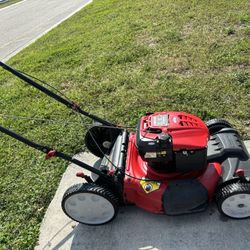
(172, 141)
(160, 192)
(166, 166)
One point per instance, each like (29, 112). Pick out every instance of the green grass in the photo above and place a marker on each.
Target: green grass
(4, 4)
(119, 59)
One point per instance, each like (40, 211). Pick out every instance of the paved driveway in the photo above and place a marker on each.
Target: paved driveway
(22, 23)
(135, 229)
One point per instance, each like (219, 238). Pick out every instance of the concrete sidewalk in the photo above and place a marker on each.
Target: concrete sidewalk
(134, 228)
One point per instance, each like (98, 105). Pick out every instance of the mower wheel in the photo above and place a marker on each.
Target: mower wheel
(216, 125)
(90, 204)
(233, 200)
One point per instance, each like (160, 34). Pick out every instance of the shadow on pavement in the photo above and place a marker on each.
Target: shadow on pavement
(136, 229)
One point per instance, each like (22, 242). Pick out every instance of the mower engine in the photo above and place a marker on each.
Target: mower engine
(169, 150)
(172, 141)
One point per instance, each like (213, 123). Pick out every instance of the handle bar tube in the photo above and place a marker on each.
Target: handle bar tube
(69, 104)
(62, 155)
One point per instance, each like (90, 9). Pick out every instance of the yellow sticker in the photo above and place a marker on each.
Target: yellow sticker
(149, 186)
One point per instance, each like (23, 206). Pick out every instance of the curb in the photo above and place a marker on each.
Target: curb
(17, 50)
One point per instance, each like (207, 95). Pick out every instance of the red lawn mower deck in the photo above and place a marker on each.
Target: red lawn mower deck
(176, 164)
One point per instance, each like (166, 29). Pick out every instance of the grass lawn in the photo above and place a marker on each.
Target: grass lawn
(119, 59)
(9, 2)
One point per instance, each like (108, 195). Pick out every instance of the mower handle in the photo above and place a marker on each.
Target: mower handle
(69, 104)
(51, 153)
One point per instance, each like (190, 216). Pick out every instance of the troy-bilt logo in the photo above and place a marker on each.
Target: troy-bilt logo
(160, 120)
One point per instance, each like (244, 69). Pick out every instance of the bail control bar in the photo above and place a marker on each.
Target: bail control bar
(70, 104)
(53, 153)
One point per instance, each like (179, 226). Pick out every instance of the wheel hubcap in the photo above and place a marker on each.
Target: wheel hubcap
(89, 208)
(237, 206)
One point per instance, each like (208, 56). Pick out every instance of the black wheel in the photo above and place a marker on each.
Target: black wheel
(99, 139)
(216, 125)
(90, 204)
(233, 200)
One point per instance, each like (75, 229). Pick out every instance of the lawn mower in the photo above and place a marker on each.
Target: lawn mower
(173, 163)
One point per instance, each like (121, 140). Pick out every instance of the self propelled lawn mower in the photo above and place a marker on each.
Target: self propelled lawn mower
(172, 164)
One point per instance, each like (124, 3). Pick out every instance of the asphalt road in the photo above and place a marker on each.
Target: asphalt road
(135, 229)
(24, 22)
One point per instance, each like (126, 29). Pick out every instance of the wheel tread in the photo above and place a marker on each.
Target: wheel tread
(92, 188)
(216, 124)
(218, 121)
(227, 191)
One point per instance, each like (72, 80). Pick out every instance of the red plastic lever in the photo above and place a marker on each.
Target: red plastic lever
(111, 172)
(240, 172)
(50, 154)
(80, 174)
